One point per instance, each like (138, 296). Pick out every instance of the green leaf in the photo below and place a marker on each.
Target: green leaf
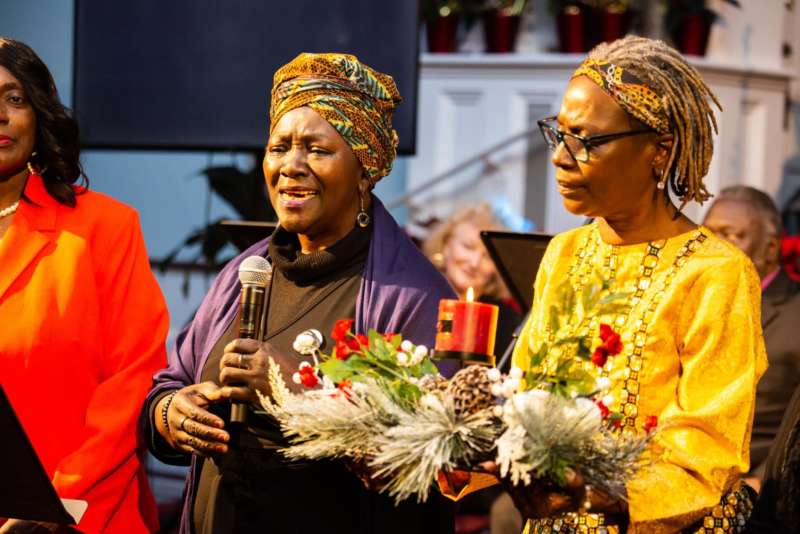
(590, 297)
(428, 367)
(568, 340)
(581, 382)
(336, 369)
(555, 320)
(538, 357)
(613, 297)
(564, 367)
(584, 351)
(380, 349)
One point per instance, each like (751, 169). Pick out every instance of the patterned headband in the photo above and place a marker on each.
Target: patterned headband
(353, 98)
(636, 98)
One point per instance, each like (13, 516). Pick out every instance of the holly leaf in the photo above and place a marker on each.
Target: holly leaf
(336, 369)
(538, 357)
(584, 352)
(555, 319)
(378, 346)
(590, 296)
(427, 367)
(568, 340)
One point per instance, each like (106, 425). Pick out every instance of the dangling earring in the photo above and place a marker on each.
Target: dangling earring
(662, 183)
(31, 168)
(363, 217)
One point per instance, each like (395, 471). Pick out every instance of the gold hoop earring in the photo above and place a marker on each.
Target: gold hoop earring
(363, 217)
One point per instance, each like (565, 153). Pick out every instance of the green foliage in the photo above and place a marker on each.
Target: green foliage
(564, 374)
(377, 362)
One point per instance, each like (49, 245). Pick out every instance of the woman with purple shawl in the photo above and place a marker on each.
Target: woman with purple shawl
(337, 253)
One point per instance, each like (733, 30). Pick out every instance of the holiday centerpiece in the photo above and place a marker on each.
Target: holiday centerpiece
(378, 402)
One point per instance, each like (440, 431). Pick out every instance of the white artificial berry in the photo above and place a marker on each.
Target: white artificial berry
(497, 389)
(515, 372)
(420, 352)
(607, 400)
(498, 411)
(402, 359)
(602, 383)
(407, 346)
(493, 374)
(509, 388)
(296, 378)
(515, 382)
(303, 365)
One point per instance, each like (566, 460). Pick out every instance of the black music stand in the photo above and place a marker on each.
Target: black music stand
(26, 491)
(244, 234)
(517, 257)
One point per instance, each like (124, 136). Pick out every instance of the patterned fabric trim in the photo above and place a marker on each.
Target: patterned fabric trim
(629, 91)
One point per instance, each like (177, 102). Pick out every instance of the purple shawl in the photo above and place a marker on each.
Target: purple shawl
(400, 292)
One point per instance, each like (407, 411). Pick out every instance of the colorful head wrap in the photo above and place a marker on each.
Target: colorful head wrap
(356, 100)
(636, 98)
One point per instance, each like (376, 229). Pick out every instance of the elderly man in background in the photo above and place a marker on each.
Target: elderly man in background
(749, 219)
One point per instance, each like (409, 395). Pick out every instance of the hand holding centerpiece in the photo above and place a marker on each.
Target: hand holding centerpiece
(378, 401)
(560, 424)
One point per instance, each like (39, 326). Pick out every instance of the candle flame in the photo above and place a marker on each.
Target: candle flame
(470, 294)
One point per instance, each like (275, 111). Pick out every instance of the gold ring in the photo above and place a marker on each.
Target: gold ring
(183, 422)
(241, 361)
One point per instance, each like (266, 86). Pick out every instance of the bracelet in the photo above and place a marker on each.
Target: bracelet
(164, 410)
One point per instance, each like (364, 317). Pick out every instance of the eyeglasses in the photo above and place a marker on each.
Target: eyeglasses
(578, 146)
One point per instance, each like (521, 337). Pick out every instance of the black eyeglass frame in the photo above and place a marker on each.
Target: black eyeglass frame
(588, 142)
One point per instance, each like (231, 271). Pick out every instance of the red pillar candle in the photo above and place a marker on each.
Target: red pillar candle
(466, 330)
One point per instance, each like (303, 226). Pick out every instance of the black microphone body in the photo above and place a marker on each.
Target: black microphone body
(251, 303)
(255, 273)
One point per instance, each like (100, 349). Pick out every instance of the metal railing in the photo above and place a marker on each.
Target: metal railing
(483, 156)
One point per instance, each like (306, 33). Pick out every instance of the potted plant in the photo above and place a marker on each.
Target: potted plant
(689, 22)
(441, 23)
(572, 18)
(501, 24)
(615, 19)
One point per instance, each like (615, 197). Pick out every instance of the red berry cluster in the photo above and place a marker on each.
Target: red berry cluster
(611, 345)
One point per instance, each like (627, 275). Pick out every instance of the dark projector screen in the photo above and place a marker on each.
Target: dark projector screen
(196, 74)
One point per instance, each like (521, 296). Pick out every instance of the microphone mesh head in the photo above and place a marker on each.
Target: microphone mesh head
(255, 270)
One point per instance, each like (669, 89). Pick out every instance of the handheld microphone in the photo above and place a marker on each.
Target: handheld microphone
(255, 273)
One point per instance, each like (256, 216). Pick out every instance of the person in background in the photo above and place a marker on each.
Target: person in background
(336, 253)
(454, 246)
(749, 219)
(84, 322)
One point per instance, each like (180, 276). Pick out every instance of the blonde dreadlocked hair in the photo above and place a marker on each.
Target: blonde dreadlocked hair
(684, 101)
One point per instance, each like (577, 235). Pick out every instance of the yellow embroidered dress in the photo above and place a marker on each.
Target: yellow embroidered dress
(693, 353)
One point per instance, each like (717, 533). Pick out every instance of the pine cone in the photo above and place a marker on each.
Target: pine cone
(431, 383)
(471, 390)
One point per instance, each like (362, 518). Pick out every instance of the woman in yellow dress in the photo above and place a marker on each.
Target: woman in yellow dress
(635, 123)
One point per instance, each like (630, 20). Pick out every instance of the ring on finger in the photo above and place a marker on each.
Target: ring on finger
(183, 422)
(241, 361)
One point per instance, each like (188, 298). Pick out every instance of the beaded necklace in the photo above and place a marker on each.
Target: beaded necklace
(642, 304)
(5, 212)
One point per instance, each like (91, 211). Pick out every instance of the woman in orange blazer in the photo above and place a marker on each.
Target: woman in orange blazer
(83, 321)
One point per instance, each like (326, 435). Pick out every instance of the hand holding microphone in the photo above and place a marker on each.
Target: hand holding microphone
(241, 372)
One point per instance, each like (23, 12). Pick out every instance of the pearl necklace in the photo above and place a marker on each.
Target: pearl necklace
(5, 212)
